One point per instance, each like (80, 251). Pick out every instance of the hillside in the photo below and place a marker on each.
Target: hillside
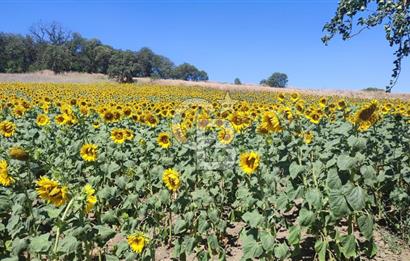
(74, 77)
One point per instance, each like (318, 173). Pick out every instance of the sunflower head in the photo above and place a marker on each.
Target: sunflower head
(225, 135)
(7, 128)
(89, 152)
(51, 191)
(91, 199)
(118, 136)
(164, 140)
(308, 137)
(249, 162)
(137, 241)
(5, 179)
(171, 179)
(42, 120)
(18, 153)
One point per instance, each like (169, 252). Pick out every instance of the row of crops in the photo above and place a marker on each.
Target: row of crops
(114, 172)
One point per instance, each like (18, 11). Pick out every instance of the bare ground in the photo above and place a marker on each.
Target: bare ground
(74, 77)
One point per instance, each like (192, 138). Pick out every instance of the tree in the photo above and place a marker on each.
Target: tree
(237, 81)
(57, 58)
(277, 79)
(16, 53)
(123, 66)
(353, 17)
(162, 67)
(188, 72)
(102, 57)
(50, 33)
(145, 58)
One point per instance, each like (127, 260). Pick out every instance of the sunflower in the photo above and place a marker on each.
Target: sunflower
(308, 137)
(164, 140)
(249, 162)
(108, 116)
(89, 152)
(118, 136)
(7, 128)
(51, 191)
(294, 97)
(42, 120)
(151, 120)
(171, 179)
(60, 119)
(18, 153)
(314, 117)
(5, 179)
(129, 134)
(366, 116)
(137, 241)
(226, 135)
(270, 123)
(91, 198)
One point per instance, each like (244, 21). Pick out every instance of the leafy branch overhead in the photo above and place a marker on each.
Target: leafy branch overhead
(354, 16)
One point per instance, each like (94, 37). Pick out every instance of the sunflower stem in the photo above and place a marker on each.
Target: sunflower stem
(59, 228)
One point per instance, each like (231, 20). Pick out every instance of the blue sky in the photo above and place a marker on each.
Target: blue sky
(227, 38)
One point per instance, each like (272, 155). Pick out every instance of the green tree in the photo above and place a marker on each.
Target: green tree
(162, 67)
(16, 53)
(353, 17)
(277, 79)
(237, 81)
(188, 72)
(57, 58)
(123, 66)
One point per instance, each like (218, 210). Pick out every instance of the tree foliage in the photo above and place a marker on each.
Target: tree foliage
(188, 72)
(277, 79)
(354, 16)
(51, 46)
(237, 81)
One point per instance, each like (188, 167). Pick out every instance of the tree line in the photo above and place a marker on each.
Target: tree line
(52, 47)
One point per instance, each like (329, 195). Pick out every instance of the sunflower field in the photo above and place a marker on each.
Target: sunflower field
(114, 172)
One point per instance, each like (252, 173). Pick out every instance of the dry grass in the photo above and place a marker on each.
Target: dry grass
(49, 76)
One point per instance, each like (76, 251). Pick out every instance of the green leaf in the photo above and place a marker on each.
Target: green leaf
(295, 169)
(369, 175)
(109, 217)
(111, 258)
(267, 240)
(251, 248)
(252, 218)
(68, 245)
(345, 162)
(333, 180)
(40, 244)
(281, 251)
(320, 249)
(19, 245)
(179, 226)
(306, 217)
(338, 203)
(314, 198)
(213, 242)
(356, 198)
(348, 243)
(105, 232)
(294, 235)
(53, 212)
(365, 223)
